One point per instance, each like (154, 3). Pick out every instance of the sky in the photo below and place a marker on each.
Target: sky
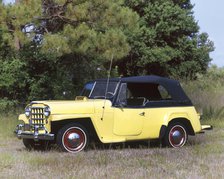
(8, 1)
(210, 17)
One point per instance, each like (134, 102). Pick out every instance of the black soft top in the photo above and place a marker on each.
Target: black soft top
(172, 86)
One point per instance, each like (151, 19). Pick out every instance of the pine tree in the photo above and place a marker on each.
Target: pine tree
(63, 42)
(168, 42)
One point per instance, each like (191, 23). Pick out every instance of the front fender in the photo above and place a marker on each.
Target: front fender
(23, 118)
(59, 117)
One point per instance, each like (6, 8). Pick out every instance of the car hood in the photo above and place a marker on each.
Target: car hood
(69, 107)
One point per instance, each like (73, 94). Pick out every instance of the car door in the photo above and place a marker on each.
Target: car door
(128, 119)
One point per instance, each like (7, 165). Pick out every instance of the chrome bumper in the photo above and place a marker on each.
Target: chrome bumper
(206, 127)
(21, 134)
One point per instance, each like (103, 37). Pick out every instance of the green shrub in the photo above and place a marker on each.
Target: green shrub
(7, 105)
(207, 93)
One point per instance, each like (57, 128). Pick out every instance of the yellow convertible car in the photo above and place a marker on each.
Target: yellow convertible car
(113, 110)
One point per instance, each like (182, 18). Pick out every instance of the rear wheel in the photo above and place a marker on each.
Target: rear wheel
(176, 135)
(73, 138)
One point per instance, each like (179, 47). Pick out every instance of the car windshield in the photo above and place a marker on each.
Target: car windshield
(87, 89)
(97, 90)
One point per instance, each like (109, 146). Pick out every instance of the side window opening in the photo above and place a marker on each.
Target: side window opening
(130, 94)
(164, 93)
(139, 94)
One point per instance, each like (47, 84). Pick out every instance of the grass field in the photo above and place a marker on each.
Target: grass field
(202, 157)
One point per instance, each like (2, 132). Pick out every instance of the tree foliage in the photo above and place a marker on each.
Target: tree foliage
(61, 44)
(49, 48)
(168, 42)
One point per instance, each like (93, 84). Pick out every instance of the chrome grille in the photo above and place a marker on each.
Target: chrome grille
(37, 116)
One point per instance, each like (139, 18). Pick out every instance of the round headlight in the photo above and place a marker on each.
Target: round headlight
(28, 111)
(47, 111)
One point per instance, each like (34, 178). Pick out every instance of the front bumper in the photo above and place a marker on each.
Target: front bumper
(36, 134)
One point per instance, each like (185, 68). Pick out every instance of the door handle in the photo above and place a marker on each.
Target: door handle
(142, 114)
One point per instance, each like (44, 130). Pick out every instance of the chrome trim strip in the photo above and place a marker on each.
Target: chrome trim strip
(35, 136)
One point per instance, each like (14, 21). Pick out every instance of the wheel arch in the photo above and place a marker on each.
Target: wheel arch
(85, 122)
(183, 121)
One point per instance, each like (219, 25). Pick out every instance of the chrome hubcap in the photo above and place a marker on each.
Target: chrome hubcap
(177, 136)
(74, 139)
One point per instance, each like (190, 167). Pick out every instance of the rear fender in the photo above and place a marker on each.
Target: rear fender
(186, 123)
(177, 117)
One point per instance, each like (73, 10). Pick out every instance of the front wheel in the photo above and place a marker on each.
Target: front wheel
(176, 135)
(72, 138)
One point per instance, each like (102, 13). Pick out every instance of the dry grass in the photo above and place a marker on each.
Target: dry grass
(202, 157)
(207, 96)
